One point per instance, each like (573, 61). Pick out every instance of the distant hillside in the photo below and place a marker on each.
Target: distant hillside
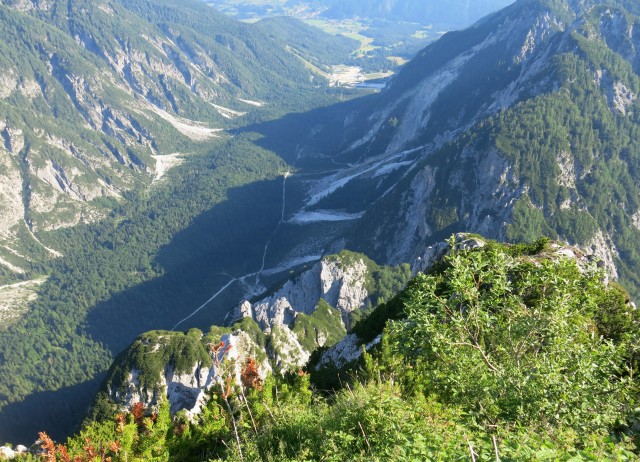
(390, 32)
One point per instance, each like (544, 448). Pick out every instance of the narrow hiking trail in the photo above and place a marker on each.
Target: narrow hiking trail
(275, 231)
(253, 288)
(205, 303)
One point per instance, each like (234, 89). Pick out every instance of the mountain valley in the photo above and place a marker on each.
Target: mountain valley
(155, 182)
(389, 32)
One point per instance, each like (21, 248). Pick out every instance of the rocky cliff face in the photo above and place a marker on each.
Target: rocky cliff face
(281, 331)
(339, 283)
(492, 130)
(181, 368)
(323, 296)
(318, 307)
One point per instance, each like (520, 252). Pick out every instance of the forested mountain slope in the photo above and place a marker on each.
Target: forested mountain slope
(524, 124)
(92, 93)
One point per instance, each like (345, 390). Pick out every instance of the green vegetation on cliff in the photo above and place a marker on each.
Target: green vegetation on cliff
(497, 353)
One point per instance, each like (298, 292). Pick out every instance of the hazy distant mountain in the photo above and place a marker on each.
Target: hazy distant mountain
(457, 13)
(448, 14)
(390, 31)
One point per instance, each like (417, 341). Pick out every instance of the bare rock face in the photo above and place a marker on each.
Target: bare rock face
(485, 208)
(435, 252)
(287, 351)
(344, 352)
(341, 285)
(28, 5)
(604, 250)
(188, 390)
(619, 95)
(337, 280)
(10, 193)
(635, 219)
(8, 453)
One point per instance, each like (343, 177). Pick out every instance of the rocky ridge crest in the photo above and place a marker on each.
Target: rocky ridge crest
(279, 331)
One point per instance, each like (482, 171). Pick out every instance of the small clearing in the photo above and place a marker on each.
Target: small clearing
(345, 75)
(398, 60)
(352, 76)
(15, 300)
(166, 162)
